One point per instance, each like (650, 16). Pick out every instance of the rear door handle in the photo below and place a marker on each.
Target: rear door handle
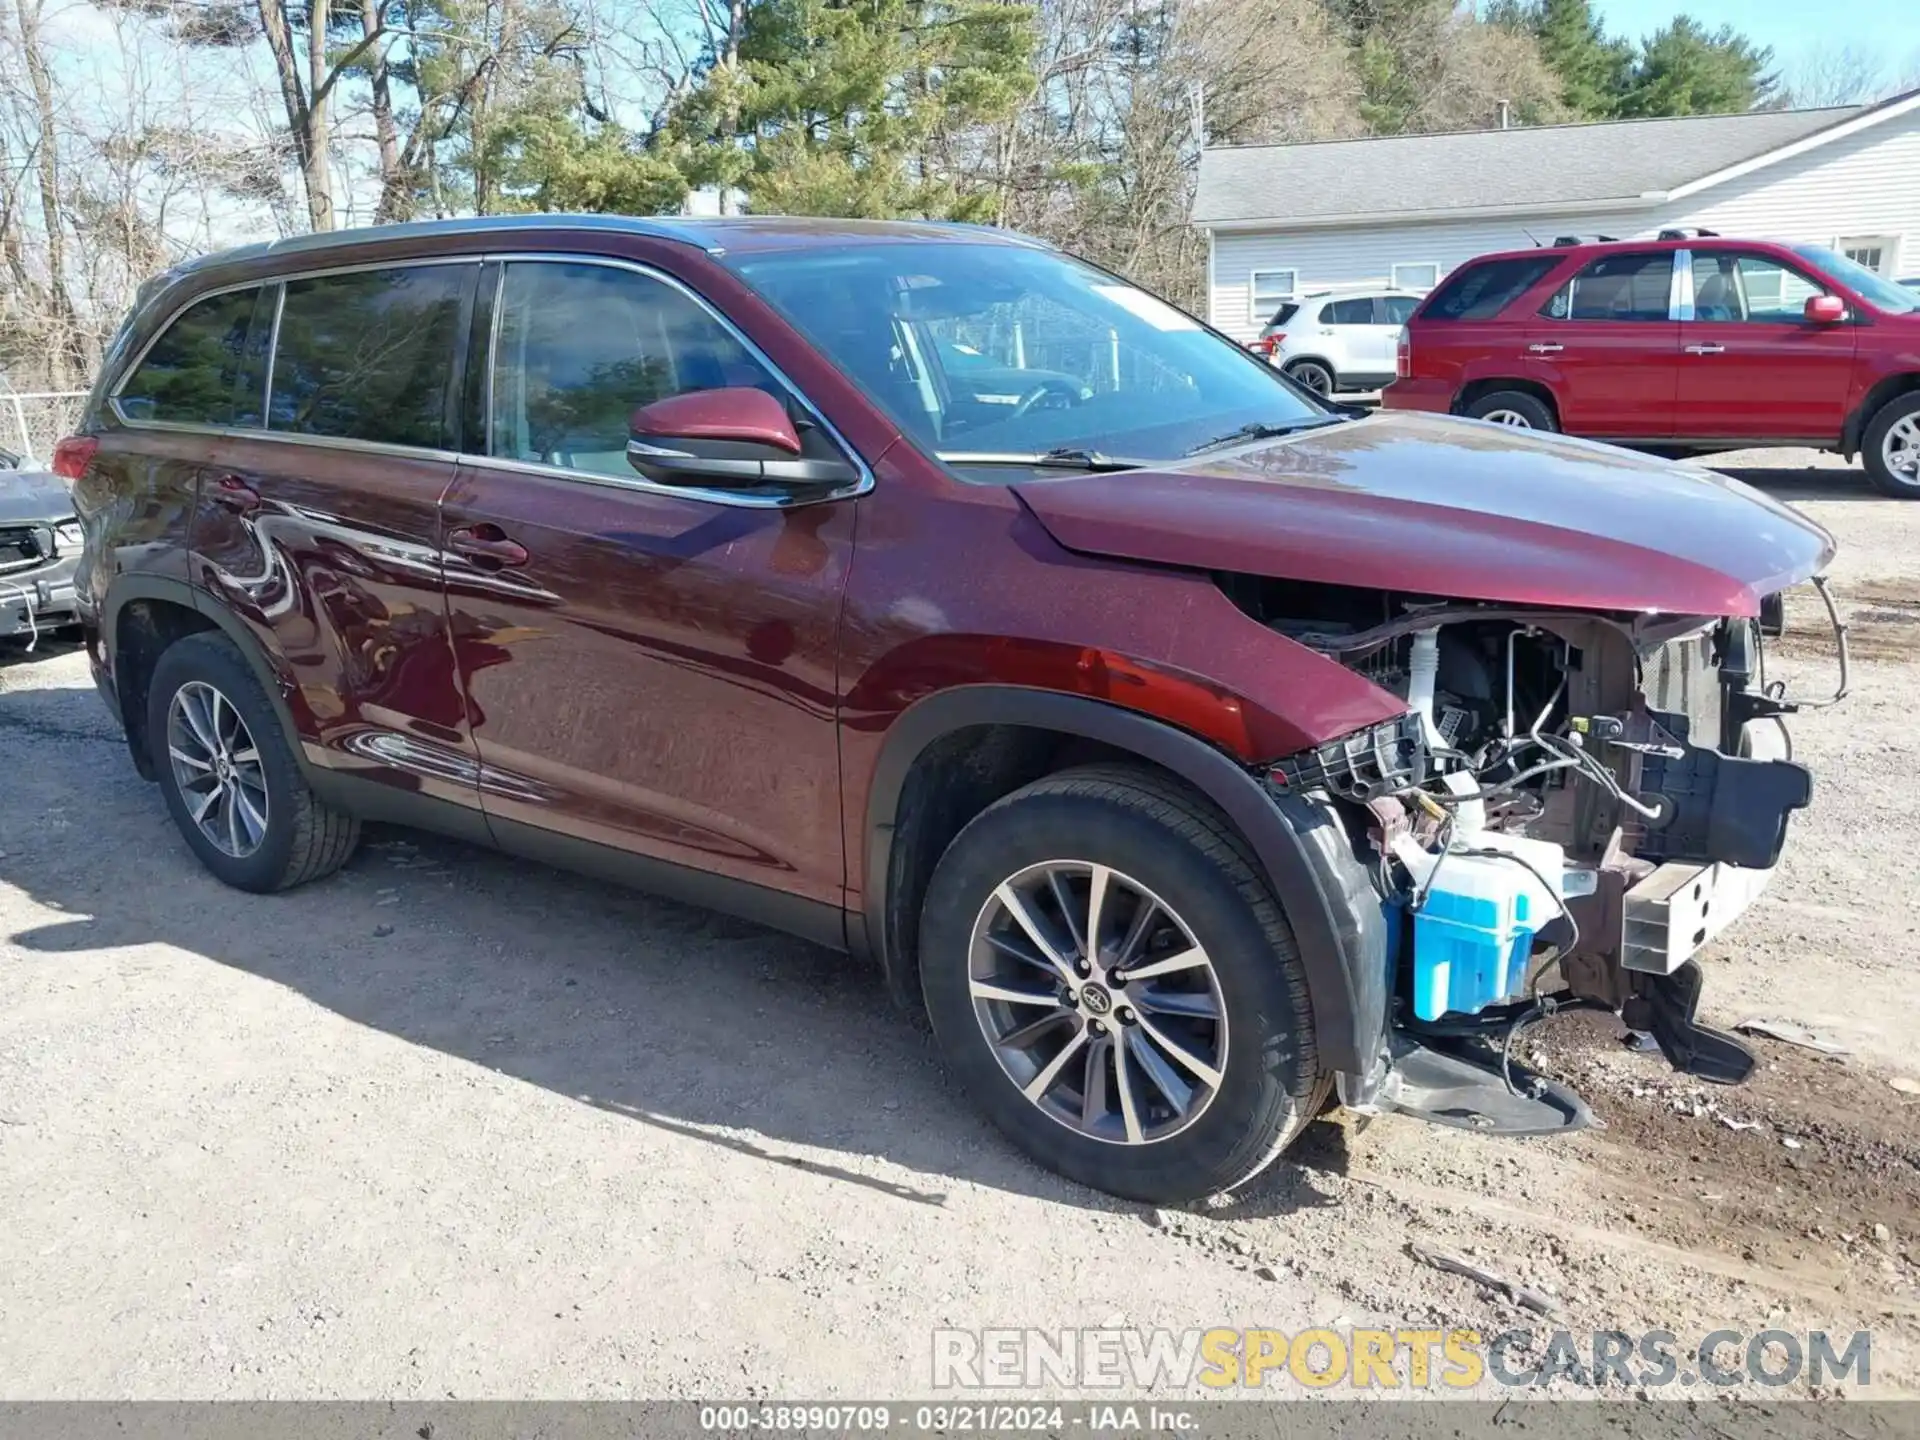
(234, 493)
(1706, 349)
(487, 543)
(1545, 349)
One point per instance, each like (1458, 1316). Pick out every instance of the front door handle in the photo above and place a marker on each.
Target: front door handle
(1706, 349)
(487, 545)
(1545, 349)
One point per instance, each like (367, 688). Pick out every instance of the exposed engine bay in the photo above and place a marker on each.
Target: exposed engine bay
(1571, 806)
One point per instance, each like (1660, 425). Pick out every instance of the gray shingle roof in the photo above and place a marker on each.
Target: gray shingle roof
(1534, 166)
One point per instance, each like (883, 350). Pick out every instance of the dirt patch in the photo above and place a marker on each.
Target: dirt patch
(1882, 617)
(1811, 1168)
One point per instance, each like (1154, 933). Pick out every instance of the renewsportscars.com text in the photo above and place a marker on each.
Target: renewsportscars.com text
(1459, 1359)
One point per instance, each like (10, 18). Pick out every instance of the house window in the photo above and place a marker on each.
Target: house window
(1270, 290)
(1876, 252)
(1422, 276)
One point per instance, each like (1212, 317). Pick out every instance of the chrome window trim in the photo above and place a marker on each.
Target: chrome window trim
(273, 343)
(649, 487)
(273, 354)
(1680, 293)
(290, 437)
(860, 485)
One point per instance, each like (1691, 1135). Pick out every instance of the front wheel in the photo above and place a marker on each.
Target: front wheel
(1514, 408)
(1115, 986)
(1891, 448)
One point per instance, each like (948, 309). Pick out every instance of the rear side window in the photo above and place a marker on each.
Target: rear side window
(189, 374)
(1617, 287)
(1483, 290)
(1348, 312)
(369, 355)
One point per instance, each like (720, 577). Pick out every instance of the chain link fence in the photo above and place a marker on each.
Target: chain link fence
(30, 423)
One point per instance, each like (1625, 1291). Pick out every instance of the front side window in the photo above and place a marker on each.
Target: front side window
(369, 355)
(189, 375)
(1058, 355)
(1732, 287)
(581, 347)
(1617, 287)
(1397, 309)
(1481, 291)
(1875, 289)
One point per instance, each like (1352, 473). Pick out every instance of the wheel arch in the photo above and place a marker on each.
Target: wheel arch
(1477, 389)
(952, 754)
(1889, 388)
(144, 614)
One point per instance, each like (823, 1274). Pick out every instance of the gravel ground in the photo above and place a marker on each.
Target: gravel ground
(450, 1125)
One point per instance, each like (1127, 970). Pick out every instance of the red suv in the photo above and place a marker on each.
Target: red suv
(1189, 751)
(1697, 344)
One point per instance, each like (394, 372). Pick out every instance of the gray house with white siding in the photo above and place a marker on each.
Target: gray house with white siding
(1288, 220)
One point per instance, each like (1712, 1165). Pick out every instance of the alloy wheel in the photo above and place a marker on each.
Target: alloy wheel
(1901, 449)
(1508, 417)
(217, 767)
(1098, 1002)
(1314, 377)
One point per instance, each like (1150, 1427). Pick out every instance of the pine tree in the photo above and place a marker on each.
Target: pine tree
(1686, 69)
(857, 107)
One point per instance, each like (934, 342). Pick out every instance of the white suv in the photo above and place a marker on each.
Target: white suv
(1331, 342)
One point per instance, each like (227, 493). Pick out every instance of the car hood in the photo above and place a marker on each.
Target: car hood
(28, 495)
(1454, 508)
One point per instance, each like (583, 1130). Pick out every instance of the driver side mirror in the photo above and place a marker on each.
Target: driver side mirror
(735, 438)
(1825, 310)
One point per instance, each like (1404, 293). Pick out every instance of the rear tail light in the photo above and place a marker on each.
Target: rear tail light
(1403, 356)
(73, 455)
(1266, 344)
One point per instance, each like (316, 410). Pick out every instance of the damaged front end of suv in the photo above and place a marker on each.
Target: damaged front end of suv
(1576, 772)
(1572, 805)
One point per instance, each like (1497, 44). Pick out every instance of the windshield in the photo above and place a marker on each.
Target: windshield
(998, 350)
(1875, 289)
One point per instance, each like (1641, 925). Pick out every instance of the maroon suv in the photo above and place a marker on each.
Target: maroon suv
(1186, 748)
(1690, 345)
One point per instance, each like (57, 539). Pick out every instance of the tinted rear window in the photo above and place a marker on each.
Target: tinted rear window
(1481, 291)
(189, 374)
(1284, 313)
(369, 355)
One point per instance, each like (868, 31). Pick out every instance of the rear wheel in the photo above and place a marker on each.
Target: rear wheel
(229, 776)
(1891, 447)
(1515, 408)
(1311, 373)
(1115, 986)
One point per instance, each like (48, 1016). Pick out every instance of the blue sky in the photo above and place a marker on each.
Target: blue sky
(1884, 27)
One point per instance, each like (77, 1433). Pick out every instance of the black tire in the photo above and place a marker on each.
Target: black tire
(1299, 370)
(1155, 830)
(304, 837)
(1535, 411)
(1873, 447)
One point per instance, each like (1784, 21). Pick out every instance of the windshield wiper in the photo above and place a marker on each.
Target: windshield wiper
(1262, 430)
(1066, 457)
